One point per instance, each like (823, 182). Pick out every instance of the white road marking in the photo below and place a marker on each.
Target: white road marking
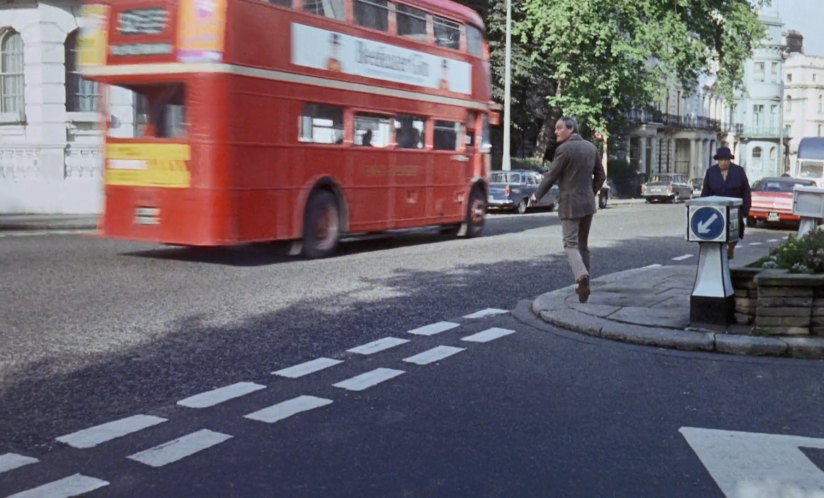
(756, 243)
(307, 368)
(747, 464)
(91, 437)
(11, 461)
(656, 265)
(285, 409)
(486, 312)
(74, 485)
(219, 395)
(433, 355)
(368, 379)
(488, 335)
(682, 258)
(379, 345)
(434, 328)
(774, 240)
(179, 448)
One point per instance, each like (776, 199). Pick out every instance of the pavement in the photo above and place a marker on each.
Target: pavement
(648, 306)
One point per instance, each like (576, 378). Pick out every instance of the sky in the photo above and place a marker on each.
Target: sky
(806, 16)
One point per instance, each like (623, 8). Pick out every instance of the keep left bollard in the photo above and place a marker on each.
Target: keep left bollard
(713, 222)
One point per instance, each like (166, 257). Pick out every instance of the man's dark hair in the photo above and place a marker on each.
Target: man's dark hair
(570, 123)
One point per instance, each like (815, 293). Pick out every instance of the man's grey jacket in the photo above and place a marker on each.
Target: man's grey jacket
(578, 171)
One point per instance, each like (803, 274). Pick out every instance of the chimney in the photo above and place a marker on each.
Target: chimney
(795, 42)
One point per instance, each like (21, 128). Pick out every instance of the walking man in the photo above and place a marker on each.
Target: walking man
(579, 173)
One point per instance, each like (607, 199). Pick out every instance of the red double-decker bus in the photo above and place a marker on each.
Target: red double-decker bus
(305, 120)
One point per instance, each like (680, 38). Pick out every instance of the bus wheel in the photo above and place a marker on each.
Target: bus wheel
(476, 214)
(321, 226)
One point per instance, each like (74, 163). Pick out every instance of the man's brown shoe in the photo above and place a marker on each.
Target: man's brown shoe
(583, 289)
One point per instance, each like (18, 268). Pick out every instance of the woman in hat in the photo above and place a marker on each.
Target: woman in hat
(728, 179)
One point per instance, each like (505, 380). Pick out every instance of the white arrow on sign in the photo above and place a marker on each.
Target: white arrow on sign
(705, 227)
(753, 465)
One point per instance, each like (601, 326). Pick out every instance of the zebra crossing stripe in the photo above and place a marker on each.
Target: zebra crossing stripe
(486, 312)
(91, 437)
(179, 448)
(307, 368)
(286, 409)
(74, 485)
(11, 461)
(377, 346)
(434, 328)
(219, 395)
(433, 355)
(488, 335)
(368, 379)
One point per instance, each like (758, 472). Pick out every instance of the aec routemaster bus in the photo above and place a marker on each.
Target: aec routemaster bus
(303, 120)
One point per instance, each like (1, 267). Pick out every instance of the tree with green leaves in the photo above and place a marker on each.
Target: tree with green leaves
(598, 59)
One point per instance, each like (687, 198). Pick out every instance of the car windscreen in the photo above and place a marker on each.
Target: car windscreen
(505, 177)
(779, 186)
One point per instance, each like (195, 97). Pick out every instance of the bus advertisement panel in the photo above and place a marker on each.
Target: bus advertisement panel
(234, 121)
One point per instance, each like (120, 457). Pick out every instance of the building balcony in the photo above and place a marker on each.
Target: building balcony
(755, 132)
(639, 117)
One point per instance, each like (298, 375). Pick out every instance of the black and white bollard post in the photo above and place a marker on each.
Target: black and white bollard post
(713, 223)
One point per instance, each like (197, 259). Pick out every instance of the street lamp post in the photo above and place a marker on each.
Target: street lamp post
(506, 160)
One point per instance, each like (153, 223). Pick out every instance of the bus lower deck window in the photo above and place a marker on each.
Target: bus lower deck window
(409, 132)
(321, 124)
(159, 111)
(446, 135)
(372, 130)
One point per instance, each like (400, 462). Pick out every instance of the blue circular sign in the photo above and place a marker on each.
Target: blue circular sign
(707, 223)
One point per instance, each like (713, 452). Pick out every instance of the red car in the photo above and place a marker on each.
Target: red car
(772, 199)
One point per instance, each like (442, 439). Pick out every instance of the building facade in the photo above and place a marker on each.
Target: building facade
(50, 128)
(758, 136)
(803, 95)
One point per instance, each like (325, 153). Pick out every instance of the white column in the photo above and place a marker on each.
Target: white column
(642, 145)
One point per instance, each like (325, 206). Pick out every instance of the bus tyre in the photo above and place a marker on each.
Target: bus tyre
(321, 225)
(476, 213)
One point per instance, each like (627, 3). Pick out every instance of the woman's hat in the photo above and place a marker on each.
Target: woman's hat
(723, 153)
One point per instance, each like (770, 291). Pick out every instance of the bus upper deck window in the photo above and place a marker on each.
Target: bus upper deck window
(282, 3)
(372, 14)
(474, 41)
(447, 33)
(411, 22)
(327, 8)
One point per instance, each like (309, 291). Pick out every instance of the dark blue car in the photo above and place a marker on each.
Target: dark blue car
(510, 190)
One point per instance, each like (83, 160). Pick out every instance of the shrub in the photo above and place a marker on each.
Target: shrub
(799, 254)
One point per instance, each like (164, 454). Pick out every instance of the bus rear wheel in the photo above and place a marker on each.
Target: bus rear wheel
(321, 225)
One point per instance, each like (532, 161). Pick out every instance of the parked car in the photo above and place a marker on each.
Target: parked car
(603, 195)
(510, 190)
(772, 199)
(669, 187)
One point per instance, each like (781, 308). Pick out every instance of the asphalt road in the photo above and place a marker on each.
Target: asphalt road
(94, 331)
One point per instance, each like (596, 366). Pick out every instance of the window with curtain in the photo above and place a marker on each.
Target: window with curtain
(81, 94)
(11, 72)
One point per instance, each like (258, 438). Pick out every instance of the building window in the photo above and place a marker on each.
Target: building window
(820, 103)
(11, 72)
(774, 72)
(789, 105)
(81, 94)
(759, 71)
(789, 77)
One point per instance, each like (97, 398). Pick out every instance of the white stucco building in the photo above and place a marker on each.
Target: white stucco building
(50, 133)
(758, 130)
(803, 94)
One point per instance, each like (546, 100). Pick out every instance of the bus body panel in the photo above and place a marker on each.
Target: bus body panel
(247, 174)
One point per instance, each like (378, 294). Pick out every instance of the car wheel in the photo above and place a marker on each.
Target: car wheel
(522, 206)
(602, 201)
(321, 225)
(751, 222)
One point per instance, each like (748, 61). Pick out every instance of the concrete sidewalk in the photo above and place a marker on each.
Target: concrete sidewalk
(36, 222)
(651, 306)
